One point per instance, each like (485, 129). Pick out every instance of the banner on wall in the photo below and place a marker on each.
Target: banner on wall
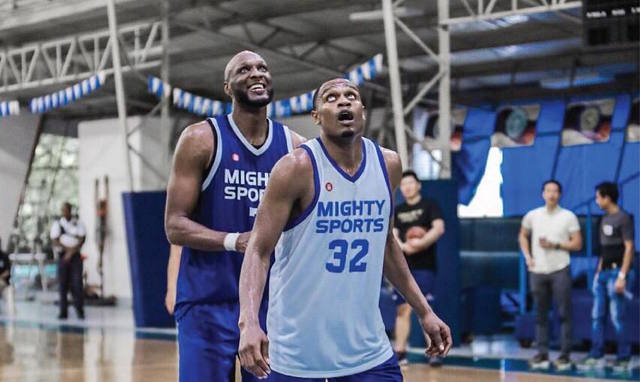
(587, 122)
(426, 126)
(515, 126)
(633, 127)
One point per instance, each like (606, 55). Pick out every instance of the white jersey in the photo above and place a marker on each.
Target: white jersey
(323, 318)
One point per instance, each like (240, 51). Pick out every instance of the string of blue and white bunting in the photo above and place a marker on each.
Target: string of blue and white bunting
(184, 99)
(367, 71)
(66, 96)
(8, 108)
(199, 105)
(157, 87)
(302, 103)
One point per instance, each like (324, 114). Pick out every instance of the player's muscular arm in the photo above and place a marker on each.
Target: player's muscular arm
(395, 266)
(290, 184)
(396, 270)
(193, 153)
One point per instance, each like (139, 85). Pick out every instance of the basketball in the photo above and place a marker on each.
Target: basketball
(415, 232)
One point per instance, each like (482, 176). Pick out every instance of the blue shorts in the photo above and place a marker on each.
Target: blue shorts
(426, 280)
(386, 372)
(208, 337)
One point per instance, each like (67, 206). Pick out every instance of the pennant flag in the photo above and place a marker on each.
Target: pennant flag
(64, 97)
(157, 87)
(8, 108)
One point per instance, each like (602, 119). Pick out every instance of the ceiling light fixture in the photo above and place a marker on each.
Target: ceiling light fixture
(377, 14)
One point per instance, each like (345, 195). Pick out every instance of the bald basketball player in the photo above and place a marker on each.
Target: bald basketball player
(220, 170)
(331, 200)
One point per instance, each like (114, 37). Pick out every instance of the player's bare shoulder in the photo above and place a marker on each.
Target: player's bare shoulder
(394, 165)
(293, 165)
(297, 139)
(293, 172)
(197, 135)
(196, 143)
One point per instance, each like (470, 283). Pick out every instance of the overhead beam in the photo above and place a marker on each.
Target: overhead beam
(517, 8)
(285, 56)
(516, 34)
(563, 60)
(496, 95)
(57, 10)
(48, 63)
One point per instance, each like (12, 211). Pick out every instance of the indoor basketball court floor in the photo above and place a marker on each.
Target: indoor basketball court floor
(35, 346)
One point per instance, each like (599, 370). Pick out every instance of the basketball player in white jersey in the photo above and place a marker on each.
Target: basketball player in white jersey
(331, 201)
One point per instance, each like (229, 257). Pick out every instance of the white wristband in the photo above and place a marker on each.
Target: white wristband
(230, 241)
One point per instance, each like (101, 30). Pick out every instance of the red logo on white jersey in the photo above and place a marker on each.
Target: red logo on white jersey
(328, 186)
(235, 157)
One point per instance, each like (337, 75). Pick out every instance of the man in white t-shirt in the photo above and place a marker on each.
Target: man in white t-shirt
(547, 235)
(68, 235)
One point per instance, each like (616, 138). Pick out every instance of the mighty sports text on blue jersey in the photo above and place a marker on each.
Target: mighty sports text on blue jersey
(244, 184)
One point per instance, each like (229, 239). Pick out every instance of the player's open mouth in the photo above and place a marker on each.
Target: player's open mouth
(345, 116)
(257, 88)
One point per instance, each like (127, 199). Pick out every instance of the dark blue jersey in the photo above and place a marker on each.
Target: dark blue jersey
(228, 202)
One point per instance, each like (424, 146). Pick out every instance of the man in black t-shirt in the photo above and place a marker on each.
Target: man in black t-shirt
(418, 225)
(611, 282)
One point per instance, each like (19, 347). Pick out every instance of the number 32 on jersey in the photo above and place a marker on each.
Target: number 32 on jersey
(356, 251)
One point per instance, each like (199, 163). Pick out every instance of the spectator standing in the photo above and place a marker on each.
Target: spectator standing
(547, 235)
(612, 280)
(418, 226)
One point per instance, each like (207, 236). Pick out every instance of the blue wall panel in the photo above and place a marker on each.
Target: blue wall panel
(630, 186)
(524, 169)
(580, 168)
(148, 256)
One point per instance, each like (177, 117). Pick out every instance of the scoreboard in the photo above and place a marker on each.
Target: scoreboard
(611, 22)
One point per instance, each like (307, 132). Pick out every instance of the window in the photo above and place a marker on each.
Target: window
(487, 201)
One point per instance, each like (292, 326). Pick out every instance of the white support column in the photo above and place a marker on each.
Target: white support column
(120, 96)
(444, 95)
(394, 78)
(164, 73)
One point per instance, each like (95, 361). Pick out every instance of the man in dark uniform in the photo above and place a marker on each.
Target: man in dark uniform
(68, 235)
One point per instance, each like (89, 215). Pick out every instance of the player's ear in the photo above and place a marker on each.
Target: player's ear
(227, 89)
(364, 114)
(315, 117)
